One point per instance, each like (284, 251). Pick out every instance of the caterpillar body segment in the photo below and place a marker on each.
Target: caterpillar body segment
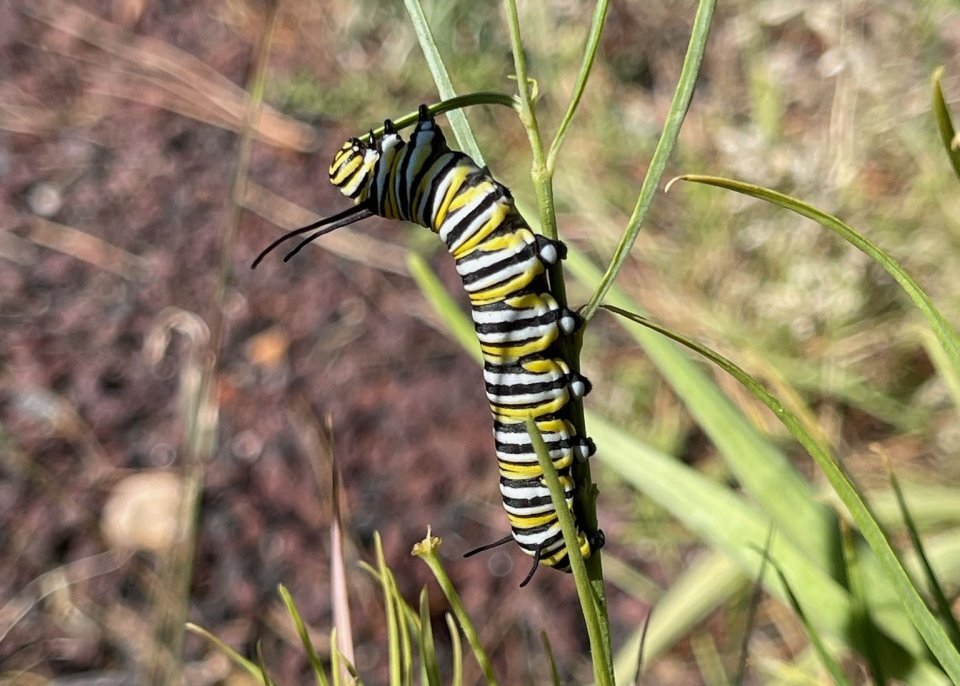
(503, 266)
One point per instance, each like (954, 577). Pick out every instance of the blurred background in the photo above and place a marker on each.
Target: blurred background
(120, 140)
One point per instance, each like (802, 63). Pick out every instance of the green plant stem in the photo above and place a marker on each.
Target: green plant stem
(542, 178)
(599, 647)
(589, 55)
(426, 550)
(586, 499)
(671, 129)
(948, 134)
(457, 102)
(458, 120)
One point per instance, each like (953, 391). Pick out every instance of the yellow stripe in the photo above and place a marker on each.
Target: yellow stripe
(551, 407)
(533, 521)
(458, 176)
(529, 301)
(470, 194)
(541, 366)
(492, 353)
(389, 209)
(512, 471)
(498, 293)
(497, 217)
(346, 171)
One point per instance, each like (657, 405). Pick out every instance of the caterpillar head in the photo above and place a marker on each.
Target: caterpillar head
(352, 168)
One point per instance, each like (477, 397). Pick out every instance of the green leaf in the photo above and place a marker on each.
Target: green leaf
(239, 660)
(933, 584)
(945, 124)
(428, 650)
(945, 334)
(826, 659)
(304, 635)
(658, 163)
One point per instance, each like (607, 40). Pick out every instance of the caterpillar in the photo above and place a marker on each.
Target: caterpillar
(503, 265)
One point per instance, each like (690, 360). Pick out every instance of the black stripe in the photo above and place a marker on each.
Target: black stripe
(507, 259)
(519, 323)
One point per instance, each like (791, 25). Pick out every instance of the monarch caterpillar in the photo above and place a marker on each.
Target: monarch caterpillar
(503, 266)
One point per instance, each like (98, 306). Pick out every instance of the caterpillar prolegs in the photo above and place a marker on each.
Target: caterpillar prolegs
(503, 265)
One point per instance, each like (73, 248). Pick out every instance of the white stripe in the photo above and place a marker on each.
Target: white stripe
(532, 266)
(429, 180)
(539, 331)
(531, 457)
(524, 439)
(451, 221)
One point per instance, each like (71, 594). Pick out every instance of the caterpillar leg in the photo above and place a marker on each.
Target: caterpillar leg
(549, 250)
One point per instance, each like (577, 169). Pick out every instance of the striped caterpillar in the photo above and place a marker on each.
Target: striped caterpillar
(503, 265)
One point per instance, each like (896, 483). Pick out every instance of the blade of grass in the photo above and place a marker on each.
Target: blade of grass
(948, 134)
(861, 620)
(712, 579)
(945, 334)
(658, 163)
(393, 631)
(946, 371)
(602, 661)
(261, 663)
(826, 659)
(304, 635)
(336, 668)
(426, 550)
(708, 661)
(456, 649)
(458, 119)
(926, 624)
(339, 594)
(404, 630)
(428, 651)
(249, 666)
(756, 595)
(943, 605)
(548, 651)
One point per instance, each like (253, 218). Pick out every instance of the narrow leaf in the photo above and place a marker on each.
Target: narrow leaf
(943, 605)
(948, 134)
(458, 119)
(249, 666)
(945, 334)
(304, 635)
(826, 659)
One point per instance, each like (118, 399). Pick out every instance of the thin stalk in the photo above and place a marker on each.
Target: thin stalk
(426, 550)
(458, 120)
(599, 647)
(542, 179)
(586, 497)
(457, 102)
(671, 129)
(589, 55)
